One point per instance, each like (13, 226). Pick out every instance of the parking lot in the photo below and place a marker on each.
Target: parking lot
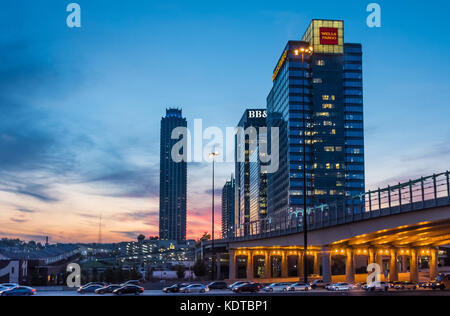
(228, 293)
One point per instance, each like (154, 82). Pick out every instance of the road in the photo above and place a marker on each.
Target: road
(420, 292)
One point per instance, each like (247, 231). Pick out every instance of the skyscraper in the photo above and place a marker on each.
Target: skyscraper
(228, 209)
(329, 87)
(173, 182)
(250, 192)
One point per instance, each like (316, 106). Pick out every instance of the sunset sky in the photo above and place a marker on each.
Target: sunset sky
(80, 109)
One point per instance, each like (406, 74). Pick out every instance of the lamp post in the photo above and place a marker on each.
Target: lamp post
(303, 51)
(213, 155)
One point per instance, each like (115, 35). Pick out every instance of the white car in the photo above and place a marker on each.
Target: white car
(277, 287)
(195, 288)
(341, 287)
(299, 287)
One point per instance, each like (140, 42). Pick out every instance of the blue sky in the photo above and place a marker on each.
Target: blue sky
(80, 109)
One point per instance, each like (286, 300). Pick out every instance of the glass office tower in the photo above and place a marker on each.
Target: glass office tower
(228, 209)
(328, 87)
(251, 182)
(173, 182)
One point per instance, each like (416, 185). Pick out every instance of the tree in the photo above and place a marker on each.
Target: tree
(200, 268)
(141, 238)
(180, 271)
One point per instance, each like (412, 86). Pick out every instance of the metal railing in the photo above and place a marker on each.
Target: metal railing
(414, 195)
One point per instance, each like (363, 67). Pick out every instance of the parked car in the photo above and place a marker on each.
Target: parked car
(217, 286)
(423, 285)
(175, 288)
(376, 286)
(319, 284)
(195, 288)
(238, 283)
(299, 287)
(18, 291)
(277, 287)
(341, 287)
(442, 282)
(248, 288)
(132, 282)
(95, 283)
(405, 285)
(107, 289)
(129, 289)
(9, 285)
(89, 288)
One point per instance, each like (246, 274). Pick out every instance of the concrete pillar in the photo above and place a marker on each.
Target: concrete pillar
(393, 266)
(250, 268)
(284, 264)
(316, 264)
(371, 256)
(414, 266)
(404, 264)
(219, 267)
(434, 264)
(326, 265)
(267, 265)
(232, 265)
(350, 266)
(300, 270)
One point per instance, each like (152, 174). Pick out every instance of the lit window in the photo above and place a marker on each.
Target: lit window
(327, 106)
(320, 62)
(325, 114)
(325, 97)
(333, 132)
(329, 149)
(328, 166)
(317, 80)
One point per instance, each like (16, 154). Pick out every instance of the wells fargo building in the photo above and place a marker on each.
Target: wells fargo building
(328, 84)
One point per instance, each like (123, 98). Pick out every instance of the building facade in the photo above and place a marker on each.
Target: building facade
(228, 209)
(173, 182)
(250, 191)
(327, 85)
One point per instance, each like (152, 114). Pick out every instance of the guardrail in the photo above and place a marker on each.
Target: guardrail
(419, 194)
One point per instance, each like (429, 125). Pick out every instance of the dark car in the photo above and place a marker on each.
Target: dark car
(248, 288)
(89, 288)
(96, 283)
(18, 291)
(129, 289)
(107, 289)
(133, 282)
(174, 288)
(218, 286)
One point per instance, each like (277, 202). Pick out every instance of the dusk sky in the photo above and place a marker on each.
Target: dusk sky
(80, 108)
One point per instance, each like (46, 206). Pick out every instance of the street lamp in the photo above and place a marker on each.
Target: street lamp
(304, 51)
(213, 155)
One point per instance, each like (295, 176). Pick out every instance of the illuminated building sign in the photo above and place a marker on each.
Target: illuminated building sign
(280, 64)
(329, 36)
(326, 36)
